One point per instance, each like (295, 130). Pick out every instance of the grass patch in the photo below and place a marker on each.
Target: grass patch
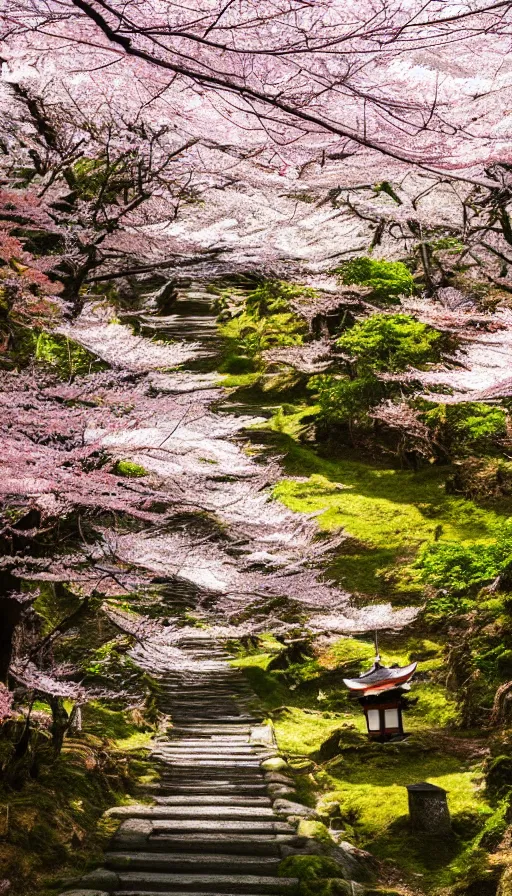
(390, 513)
(372, 799)
(65, 357)
(55, 829)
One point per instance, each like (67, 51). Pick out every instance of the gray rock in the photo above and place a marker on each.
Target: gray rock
(100, 879)
(276, 764)
(357, 863)
(133, 830)
(297, 810)
(85, 893)
(309, 847)
(279, 790)
(276, 778)
(263, 735)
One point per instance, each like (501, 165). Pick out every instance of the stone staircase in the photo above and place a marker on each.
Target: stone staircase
(191, 320)
(211, 827)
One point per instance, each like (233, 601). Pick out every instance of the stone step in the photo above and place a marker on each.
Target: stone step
(212, 800)
(183, 758)
(220, 721)
(211, 772)
(206, 863)
(175, 774)
(222, 789)
(232, 884)
(161, 825)
(211, 749)
(217, 741)
(250, 844)
(186, 893)
(221, 692)
(207, 788)
(207, 761)
(195, 813)
(242, 728)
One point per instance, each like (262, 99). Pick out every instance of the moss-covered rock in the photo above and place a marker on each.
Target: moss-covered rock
(505, 885)
(130, 469)
(276, 764)
(316, 875)
(315, 830)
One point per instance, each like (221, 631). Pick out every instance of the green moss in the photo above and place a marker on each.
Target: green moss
(231, 379)
(129, 468)
(390, 343)
(113, 724)
(255, 320)
(370, 791)
(301, 732)
(66, 357)
(317, 876)
(55, 827)
(387, 279)
(314, 830)
(389, 513)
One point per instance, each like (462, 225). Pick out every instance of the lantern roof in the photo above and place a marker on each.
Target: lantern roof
(425, 787)
(380, 678)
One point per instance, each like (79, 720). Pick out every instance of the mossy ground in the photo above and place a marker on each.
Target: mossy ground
(52, 830)
(388, 512)
(363, 787)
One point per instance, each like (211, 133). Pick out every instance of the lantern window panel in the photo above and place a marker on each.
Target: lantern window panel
(373, 719)
(391, 718)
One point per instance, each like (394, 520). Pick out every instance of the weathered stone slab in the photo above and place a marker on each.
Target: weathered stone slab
(239, 883)
(280, 791)
(296, 810)
(263, 735)
(277, 764)
(86, 893)
(277, 778)
(100, 879)
(195, 812)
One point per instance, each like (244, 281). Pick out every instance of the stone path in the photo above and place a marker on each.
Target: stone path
(211, 827)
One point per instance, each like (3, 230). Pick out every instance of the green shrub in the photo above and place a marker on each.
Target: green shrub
(248, 334)
(468, 427)
(454, 569)
(65, 356)
(387, 279)
(274, 296)
(344, 401)
(391, 343)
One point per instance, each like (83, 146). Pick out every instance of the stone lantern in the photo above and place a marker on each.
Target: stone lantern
(380, 692)
(428, 809)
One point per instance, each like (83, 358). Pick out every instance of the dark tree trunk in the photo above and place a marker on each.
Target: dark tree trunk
(10, 615)
(60, 723)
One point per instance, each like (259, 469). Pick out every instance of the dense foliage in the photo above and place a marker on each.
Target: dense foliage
(386, 280)
(391, 343)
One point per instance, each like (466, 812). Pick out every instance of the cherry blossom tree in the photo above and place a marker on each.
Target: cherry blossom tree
(298, 81)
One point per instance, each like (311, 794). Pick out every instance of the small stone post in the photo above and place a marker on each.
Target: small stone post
(428, 810)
